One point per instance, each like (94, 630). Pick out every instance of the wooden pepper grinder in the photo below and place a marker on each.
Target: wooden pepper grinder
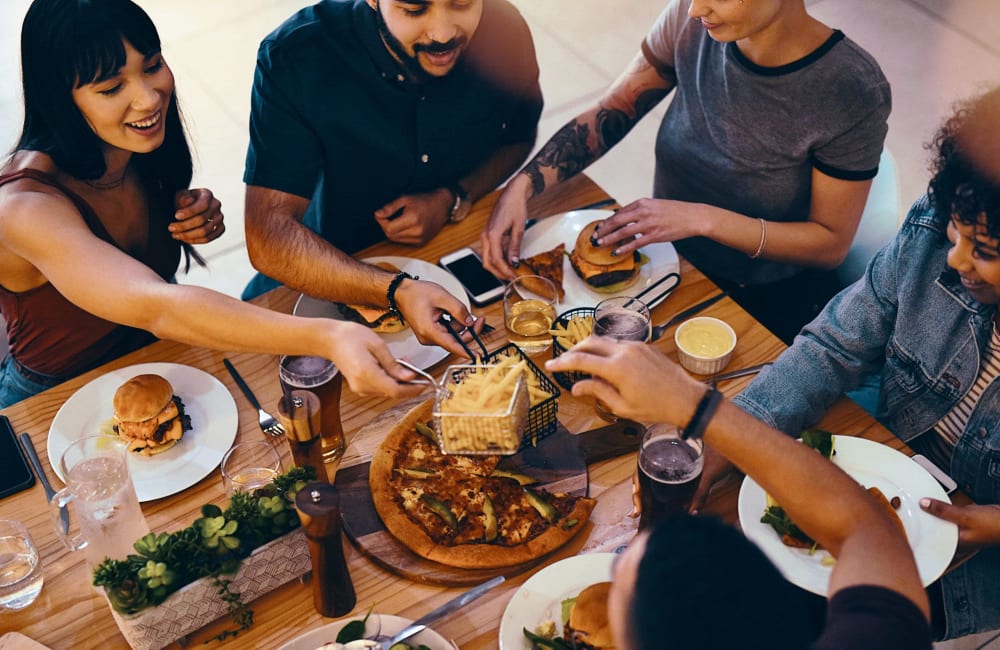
(299, 412)
(318, 504)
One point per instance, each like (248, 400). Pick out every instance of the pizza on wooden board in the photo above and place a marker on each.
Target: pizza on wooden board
(462, 511)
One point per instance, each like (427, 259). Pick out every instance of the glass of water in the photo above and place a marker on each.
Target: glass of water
(249, 466)
(20, 566)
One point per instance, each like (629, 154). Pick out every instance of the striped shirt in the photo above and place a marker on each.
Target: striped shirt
(948, 430)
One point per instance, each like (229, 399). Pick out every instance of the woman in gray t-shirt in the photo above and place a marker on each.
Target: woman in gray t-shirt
(764, 158)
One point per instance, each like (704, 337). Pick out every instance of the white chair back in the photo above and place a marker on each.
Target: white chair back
(879, 221)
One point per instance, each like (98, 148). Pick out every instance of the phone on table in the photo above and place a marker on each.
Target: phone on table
(947, 482)
(16, 474)
(481, 285)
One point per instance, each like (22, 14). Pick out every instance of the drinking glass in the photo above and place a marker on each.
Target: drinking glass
(20, 566)
(669, 471)
(321, 377)
(103, 496)
(248, 466)
(529, 309)
(622, 319)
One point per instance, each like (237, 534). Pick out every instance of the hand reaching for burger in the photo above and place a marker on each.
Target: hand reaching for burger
(502, 236)
(648, 221)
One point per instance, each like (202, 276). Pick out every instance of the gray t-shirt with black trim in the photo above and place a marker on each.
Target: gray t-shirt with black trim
(746, 138)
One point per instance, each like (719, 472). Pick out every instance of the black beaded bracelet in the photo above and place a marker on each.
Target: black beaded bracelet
(390, 293)
(702, 414)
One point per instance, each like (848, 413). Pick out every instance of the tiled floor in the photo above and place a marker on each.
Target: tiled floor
(932, 51)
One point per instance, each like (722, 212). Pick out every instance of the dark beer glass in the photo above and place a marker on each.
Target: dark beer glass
(669, 471)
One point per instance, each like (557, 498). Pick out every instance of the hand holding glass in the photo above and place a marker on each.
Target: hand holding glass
(621, 319)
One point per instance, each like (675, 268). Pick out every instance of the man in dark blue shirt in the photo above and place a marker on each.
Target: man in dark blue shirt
(382, 119)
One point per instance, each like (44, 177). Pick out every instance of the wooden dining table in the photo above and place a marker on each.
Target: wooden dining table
(69, 613)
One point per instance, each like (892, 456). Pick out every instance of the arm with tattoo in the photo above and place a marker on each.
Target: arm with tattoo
(591, 134)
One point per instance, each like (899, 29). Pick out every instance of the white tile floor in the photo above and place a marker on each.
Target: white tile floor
(932, 51)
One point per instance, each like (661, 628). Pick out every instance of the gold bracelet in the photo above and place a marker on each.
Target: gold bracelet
(763, 239)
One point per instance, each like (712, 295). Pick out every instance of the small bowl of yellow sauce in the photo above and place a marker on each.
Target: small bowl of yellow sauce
(704, 344)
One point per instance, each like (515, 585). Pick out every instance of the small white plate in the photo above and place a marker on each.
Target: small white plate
(403, 345)
(873, 465)
(540, 597)
(565, 228)
(376, 624)
(214, 422)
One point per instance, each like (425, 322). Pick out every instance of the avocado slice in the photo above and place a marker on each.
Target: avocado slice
(544, 508)
(491, 519)
(439, 508)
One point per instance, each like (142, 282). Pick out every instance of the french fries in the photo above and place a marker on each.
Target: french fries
(577, 329)
(488, 389)
(485, 409)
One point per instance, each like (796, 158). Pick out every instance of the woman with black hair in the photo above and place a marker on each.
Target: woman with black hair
(95, 212)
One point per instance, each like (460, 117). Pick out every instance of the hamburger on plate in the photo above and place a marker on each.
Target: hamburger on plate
(379, 319)
(588, 627)
(148, 414)
(598, 268)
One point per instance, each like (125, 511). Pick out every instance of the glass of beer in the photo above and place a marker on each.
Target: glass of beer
(321, 377)
(529, 309)
(622, 319)
(669, 471)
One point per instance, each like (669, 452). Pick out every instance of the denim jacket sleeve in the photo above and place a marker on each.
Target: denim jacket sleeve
(832, 354)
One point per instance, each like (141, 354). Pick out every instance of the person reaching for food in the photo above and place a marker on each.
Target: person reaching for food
(95, 213)
(723, 590)
(923, 321)
(764, 157)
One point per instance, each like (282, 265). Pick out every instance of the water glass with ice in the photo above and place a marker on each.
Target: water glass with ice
(20, 566)
(100, 488)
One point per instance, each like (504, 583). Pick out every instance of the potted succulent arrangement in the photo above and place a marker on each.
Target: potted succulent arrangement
(177, 582)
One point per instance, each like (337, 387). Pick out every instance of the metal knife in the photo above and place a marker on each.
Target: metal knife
(29, 450)
(419, 625)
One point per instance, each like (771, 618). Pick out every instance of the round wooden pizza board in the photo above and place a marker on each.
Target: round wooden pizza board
(558, 461)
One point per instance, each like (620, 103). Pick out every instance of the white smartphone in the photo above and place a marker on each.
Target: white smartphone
(481, 285)
(947, 482)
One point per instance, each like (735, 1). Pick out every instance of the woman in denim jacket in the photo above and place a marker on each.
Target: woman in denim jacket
(924, 318)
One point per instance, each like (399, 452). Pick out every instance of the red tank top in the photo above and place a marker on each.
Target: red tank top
(49, 334)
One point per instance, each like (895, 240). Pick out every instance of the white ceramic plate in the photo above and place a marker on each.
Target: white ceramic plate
(402, 344)
(871, 464)
(214, 422)
(541, 596)
(565, 228)
(389, 625)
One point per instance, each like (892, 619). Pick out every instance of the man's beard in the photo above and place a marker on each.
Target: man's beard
(410, 63)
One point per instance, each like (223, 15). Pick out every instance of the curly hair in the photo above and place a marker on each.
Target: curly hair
(957, 187)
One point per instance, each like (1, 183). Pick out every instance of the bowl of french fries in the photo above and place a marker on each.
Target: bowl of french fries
(570, 328)
(494, 407)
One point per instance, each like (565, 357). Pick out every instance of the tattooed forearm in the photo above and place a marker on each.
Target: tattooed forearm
(567, 152)
(612, 126)
(647, 100)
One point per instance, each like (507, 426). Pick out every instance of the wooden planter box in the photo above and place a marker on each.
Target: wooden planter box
(197, 604)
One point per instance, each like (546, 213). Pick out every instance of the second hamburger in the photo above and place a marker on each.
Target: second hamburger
(597, 267)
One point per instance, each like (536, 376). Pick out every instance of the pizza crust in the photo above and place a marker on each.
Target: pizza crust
(470, 556)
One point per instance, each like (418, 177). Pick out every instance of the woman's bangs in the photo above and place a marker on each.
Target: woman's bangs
(98, 51)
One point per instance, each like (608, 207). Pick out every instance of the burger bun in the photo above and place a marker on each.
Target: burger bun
(142, 398)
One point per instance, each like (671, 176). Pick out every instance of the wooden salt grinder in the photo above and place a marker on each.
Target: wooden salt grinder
(302, 428)
(318, 504)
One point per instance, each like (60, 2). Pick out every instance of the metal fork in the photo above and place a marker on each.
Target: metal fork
(268, 423)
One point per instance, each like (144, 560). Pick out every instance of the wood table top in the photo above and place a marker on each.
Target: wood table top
(71, 614)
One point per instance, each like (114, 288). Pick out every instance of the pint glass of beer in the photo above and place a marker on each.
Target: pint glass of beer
(319, 376)
(669, 470)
